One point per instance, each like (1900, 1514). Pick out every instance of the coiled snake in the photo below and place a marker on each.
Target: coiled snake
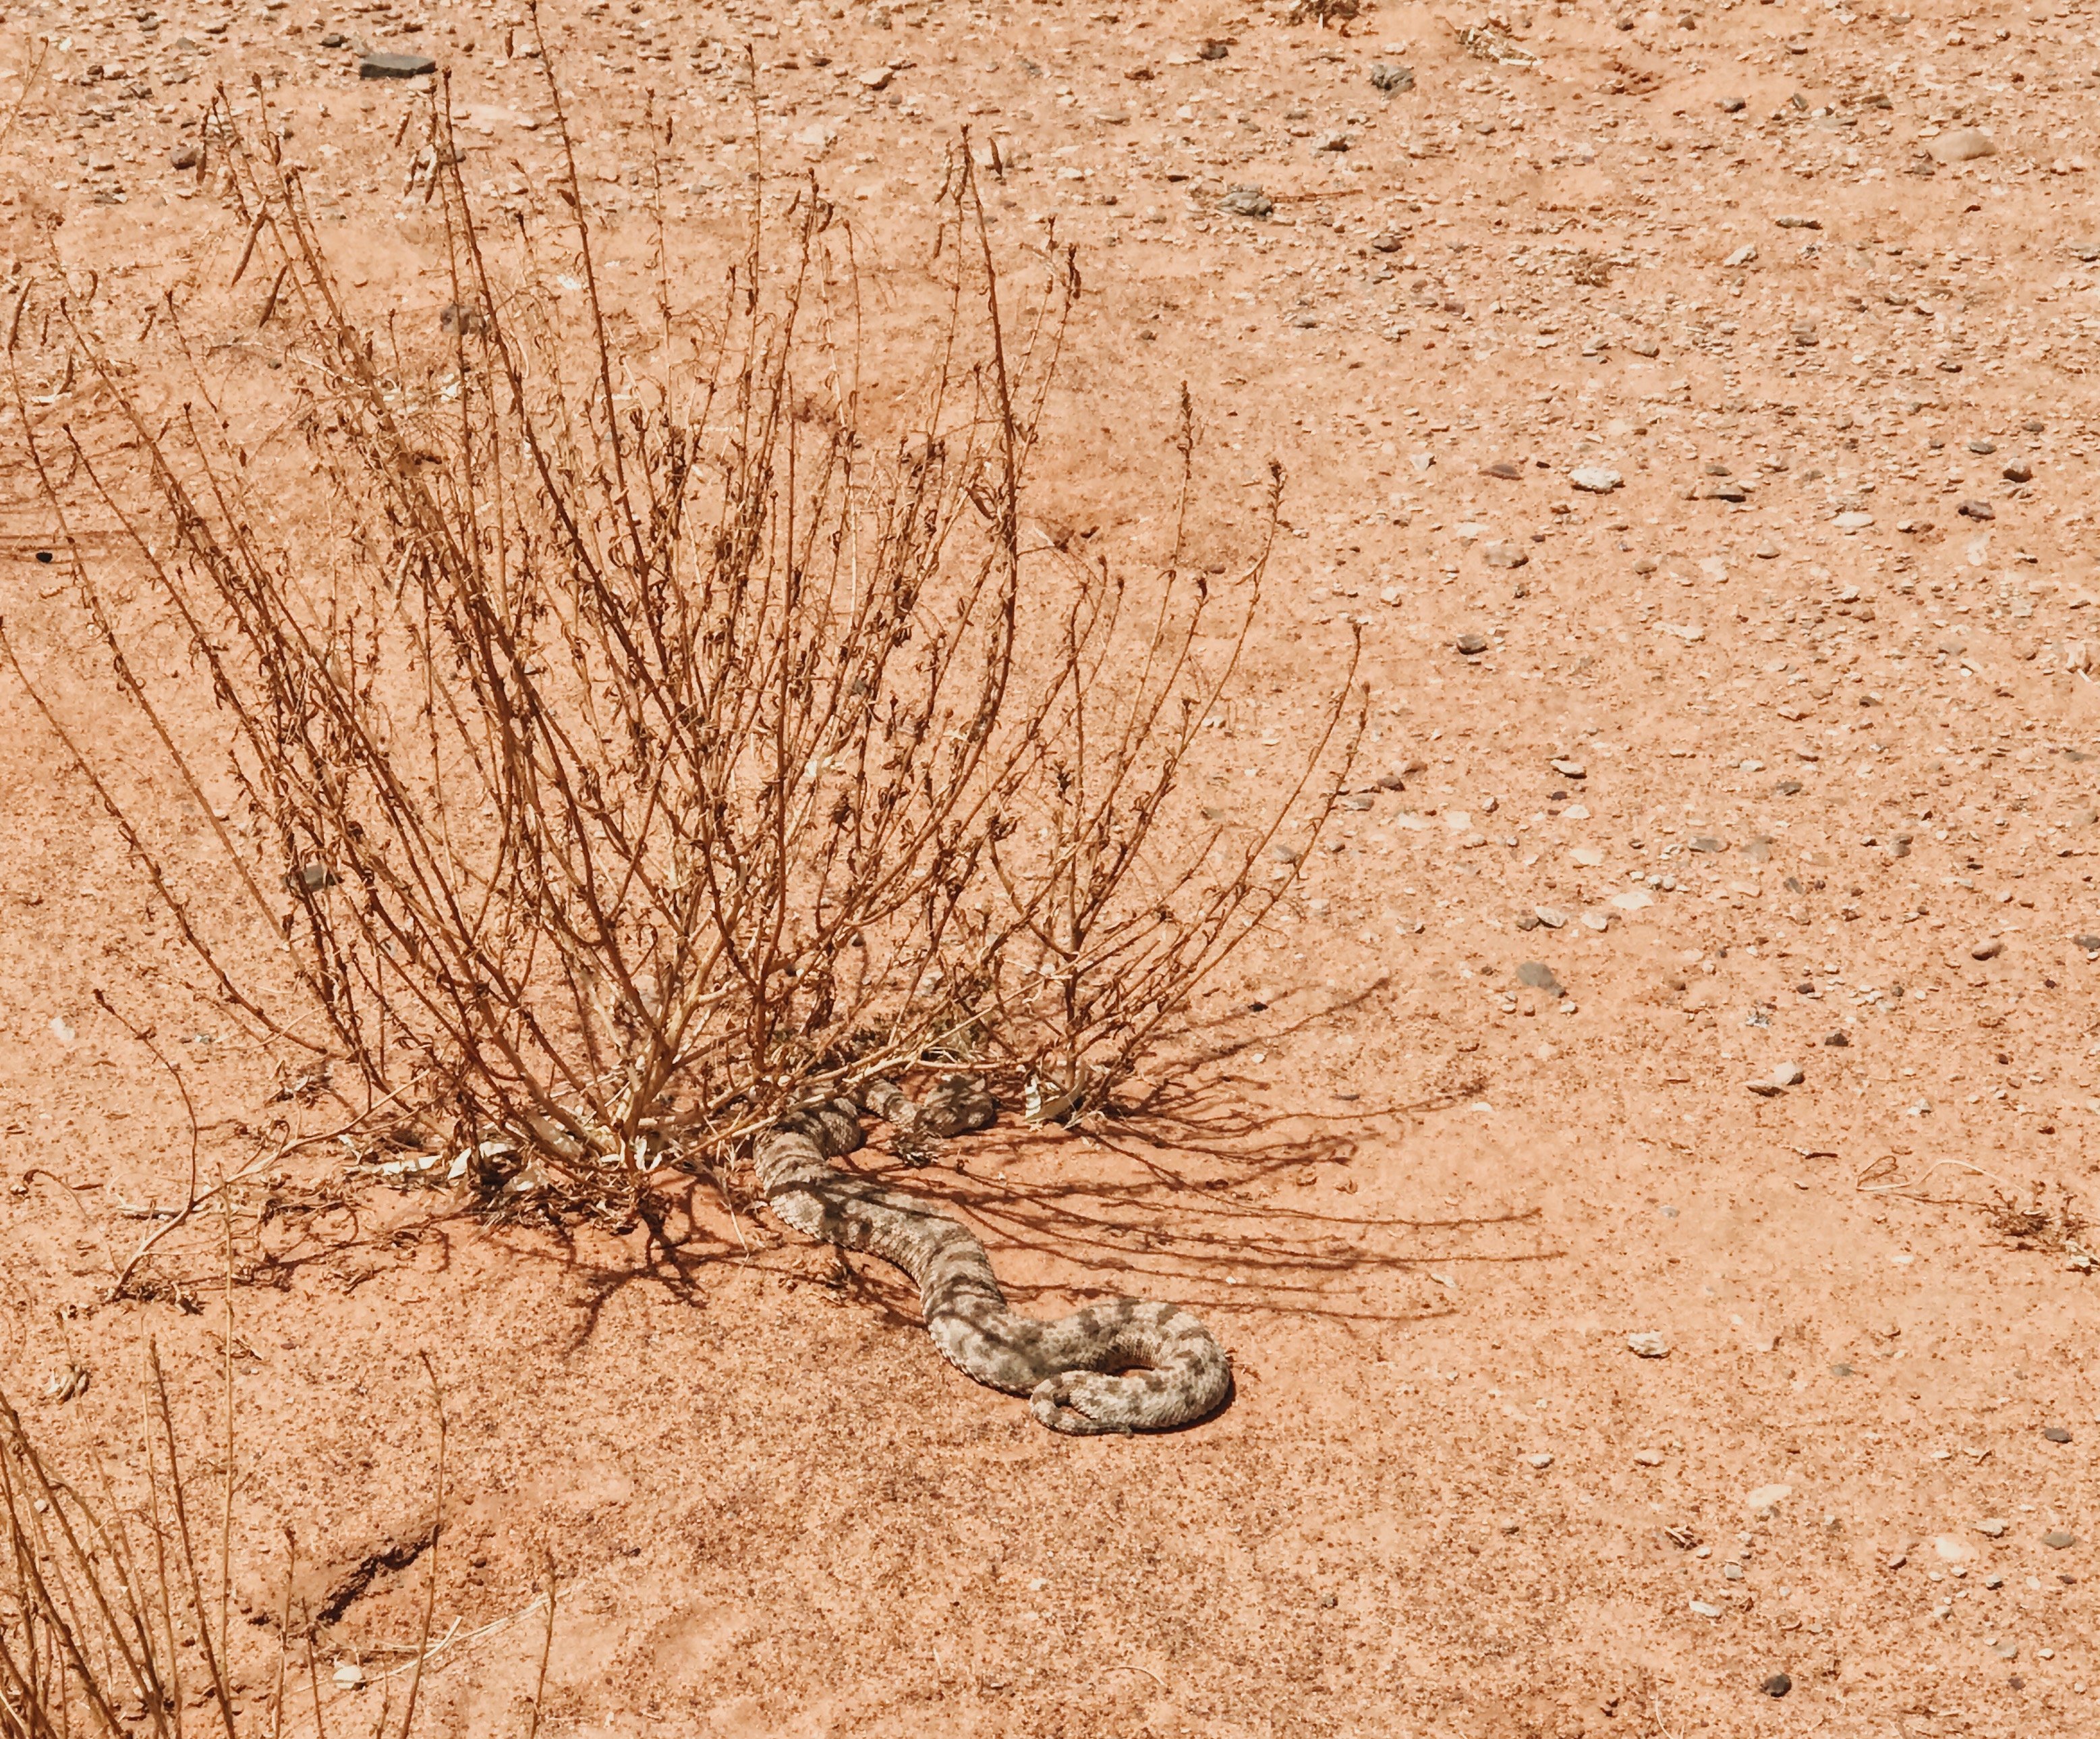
(1119, 1367)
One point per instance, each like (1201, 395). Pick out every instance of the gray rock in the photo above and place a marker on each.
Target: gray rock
(1389, 78)
(1705, 842)
(1472, 643)
(334, 39)
(2055, 1434)
(1537, 975)
(2056, 1540)
(379, 64)
(1976, 511)
(1248, 201)
(1982, 443)
(184, 156)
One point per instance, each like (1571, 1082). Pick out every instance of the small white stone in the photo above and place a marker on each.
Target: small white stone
(1647, 1345)
(1594, 480)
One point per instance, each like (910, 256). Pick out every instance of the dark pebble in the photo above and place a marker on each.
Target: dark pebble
(1778, 1686)
(334, 39)
(1976, 511)
(1839, 1041)
(2055, 1434)
(183, 157)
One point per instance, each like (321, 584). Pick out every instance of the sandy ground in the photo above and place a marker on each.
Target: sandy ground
(1707, 370)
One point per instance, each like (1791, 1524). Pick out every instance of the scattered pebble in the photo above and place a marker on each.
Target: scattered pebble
(1778, 1685)
(1472, 644)
(1989, 949)
(2055, 1434)
(2056, 1540)
(1992, 1527)
(1647, 1345)
(1390, 78)
(1594, 480)
(1248, 201)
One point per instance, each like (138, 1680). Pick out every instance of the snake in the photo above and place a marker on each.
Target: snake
(1122, 1365)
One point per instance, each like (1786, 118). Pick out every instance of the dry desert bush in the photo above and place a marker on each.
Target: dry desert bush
(657, 724)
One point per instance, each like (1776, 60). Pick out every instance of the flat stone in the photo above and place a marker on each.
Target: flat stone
(1472, 644)
(1647, 1345)
(1963, 145)
(1787, 1074)
(1767, 1498)
(1647, 1458)
(876, 78)
(1976, 511)
(2055, 1434)
(1569, 769)
(1541, 1462)
(2056, 1540)
(379, 64)
(1589, 857)
(1504, 556)
(1992, 1527)
(1706, 1610)
(1503, 469)
(1742, 256)
(1552, 917)
(1853, 522)
(1989, 949)
(1594, 480)
(1706, 842)
(1596, 921)
(1633, 899)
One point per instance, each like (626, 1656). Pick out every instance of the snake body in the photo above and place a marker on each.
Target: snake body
(1118, 1367)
